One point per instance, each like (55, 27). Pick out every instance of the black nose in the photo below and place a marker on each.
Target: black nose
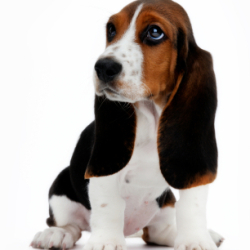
(107, 69)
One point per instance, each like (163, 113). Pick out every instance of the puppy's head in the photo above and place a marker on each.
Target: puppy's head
(141, 55)
(151, 54)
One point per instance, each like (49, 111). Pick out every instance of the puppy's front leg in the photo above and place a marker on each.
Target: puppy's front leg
(107, 214)
(192, 233)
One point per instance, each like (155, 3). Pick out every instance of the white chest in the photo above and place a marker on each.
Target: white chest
(141, 181)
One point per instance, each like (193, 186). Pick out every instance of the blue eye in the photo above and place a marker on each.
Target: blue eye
(155, 33)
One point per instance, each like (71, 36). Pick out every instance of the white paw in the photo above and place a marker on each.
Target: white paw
(103, 242)
(195, 241)
(53, 237)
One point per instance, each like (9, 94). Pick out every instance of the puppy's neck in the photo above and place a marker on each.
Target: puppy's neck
(150, 111)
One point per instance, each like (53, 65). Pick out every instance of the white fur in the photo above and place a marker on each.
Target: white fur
(129, 54)
(64, 237)
(71, 218)
(162, 229)
(191, 220)
(137, 186)
(130, 194)
(75, 212)
(107, 214)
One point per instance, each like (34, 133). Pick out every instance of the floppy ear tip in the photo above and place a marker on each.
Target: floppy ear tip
(186, 180)
(205, 179)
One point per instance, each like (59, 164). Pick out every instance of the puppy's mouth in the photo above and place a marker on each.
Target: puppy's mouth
(109, 90)
(111, 94)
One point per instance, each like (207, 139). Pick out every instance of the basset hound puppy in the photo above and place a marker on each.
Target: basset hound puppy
(154, 129)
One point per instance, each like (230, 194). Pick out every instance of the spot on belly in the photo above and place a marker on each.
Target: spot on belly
(104, 205)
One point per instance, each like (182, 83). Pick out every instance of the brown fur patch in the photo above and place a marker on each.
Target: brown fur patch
(88, 174)
(202, 180)
(145, 235)
(170, 202)
(157, 73)
(160, 61)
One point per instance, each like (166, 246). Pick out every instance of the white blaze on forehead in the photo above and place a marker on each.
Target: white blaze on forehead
(127, 52)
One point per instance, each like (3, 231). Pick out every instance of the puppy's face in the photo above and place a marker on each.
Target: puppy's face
(140, 57)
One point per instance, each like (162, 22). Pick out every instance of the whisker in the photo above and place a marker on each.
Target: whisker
(102, 102)
(131, 114)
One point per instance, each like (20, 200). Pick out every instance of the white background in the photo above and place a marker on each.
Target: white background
(47, 53)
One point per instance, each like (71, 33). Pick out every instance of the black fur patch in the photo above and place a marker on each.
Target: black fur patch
(166, 199)
(51, 220)
(70, 182)
(60, 187)
(79, 162)
(114, 137)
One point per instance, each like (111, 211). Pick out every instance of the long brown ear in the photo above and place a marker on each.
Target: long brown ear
(186, 137)
(115, 125)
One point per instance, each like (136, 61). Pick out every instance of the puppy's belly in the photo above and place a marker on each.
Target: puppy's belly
(139, 211)
(141, 183)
